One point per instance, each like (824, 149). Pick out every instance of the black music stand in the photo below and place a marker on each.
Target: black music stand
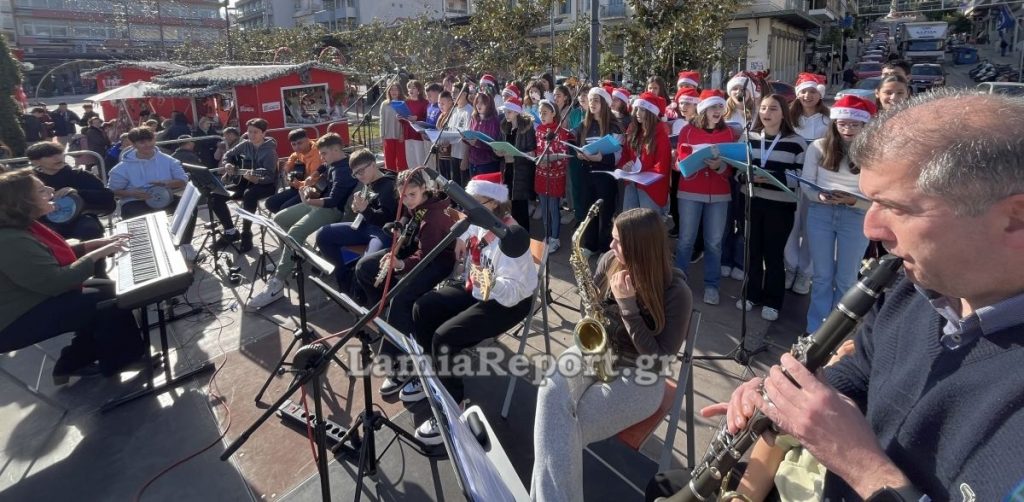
(320, 364)
(208, 185)
(300, 256)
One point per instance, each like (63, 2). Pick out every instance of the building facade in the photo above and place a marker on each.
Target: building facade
(340, 14)
(257, 14)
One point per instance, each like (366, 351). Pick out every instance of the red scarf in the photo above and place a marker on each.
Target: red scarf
(54, 242)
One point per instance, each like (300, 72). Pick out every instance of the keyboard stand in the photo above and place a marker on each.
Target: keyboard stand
(171, 381)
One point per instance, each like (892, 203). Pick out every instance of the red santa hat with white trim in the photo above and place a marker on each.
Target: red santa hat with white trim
(687, 95)
(511, 90)
(688, 77)
(488, 185)
(512, 104)
(742, 80)
(709, 98)
(851, 107)
(810, 81)
(488, 79)
(651, 102)
(600, 91)
(623, 94)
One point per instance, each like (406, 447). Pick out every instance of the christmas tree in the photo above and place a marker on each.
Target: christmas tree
(10, 77)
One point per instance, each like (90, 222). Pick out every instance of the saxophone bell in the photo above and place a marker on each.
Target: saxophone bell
(591, 333)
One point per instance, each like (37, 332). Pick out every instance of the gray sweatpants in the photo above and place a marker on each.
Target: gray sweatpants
(574, 410)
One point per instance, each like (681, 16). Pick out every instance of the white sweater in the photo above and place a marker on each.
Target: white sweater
(813, 127)
(514, 278)
(842, 179)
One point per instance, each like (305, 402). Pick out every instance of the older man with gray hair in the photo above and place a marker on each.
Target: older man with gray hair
(932, 401)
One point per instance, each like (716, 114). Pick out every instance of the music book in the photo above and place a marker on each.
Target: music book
(476, 135)
(694, 162)
(641, 178)
(504, 148)
(757, 171)
(400, 108)
(606, 145)
(822, 189)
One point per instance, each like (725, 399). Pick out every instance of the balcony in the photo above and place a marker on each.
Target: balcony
(825, 11)
(793, 12)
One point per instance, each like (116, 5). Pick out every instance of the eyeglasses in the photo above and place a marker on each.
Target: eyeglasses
(361, 170)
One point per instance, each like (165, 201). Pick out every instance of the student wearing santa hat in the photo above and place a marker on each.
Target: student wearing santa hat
(489, 85)
(742, 103)
(495, 298)
(688, 79)
(810, 118)
(416, 148)
(704, 197)
(620, 107)
(392, 132)
(835, 219)
(598, 122)
(517, 129)
(686, 109)
(550, 179)
(511, 90)
(777, 148)
(647, 143)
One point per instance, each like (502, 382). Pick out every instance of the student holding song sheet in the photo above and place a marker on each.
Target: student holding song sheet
(549, 182)
(648, 149)
(598, 122)
(484, 120)
(391, 130)
(416, 147)
(517, 129)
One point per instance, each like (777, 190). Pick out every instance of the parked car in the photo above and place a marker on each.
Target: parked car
(925, 76)
(873, 58)
(860, 93)
(868, 84)
(783, 89)
(1008, 88)
(866, 69)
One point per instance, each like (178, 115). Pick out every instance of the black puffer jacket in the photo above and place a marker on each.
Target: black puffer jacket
(518, 175)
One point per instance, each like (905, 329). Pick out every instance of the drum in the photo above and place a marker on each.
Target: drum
(159, 197)
(68, 207)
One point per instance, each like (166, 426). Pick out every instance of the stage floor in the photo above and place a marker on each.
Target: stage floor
(87, 455)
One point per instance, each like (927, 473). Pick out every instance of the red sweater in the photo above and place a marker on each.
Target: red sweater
(659, 161)
(550, 179)
(419, 109)
(706, 185)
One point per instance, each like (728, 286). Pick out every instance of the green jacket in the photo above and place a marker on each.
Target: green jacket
(29, 274)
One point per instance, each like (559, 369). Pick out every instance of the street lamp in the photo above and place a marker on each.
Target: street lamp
(227, 29)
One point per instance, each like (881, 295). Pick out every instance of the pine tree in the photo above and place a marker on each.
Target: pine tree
(10, 77)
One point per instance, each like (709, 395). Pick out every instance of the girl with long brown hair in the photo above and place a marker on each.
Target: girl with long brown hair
(647, 143)
(597, 123)
(485, 120)
(416, 147)
(651, 303)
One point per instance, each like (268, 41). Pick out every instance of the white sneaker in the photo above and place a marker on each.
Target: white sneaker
(750, 305)
(711, 296)
(726, 271)
(391, 385)
(553, 245)
(802, 284)
(737, 274)
(273, 292)
(769, 314)
(412, 392)
(429, 433)
(790, 277)
(188, 251)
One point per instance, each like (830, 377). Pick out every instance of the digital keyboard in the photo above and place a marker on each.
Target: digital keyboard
(152, 269)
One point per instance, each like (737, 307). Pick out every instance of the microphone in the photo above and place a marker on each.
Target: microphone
(515, 240)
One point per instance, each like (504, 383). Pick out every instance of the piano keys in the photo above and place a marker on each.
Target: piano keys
(152, 269)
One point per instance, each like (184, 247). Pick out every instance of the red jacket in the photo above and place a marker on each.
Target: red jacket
(419, 109)
(706, 185)
(658, 161)
(550, 179)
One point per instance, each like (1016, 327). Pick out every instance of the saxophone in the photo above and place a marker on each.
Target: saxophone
(592, 331)
(814, 350)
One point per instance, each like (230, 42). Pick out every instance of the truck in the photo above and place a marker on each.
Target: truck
(923, 42)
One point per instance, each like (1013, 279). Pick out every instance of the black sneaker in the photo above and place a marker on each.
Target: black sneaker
(226, 240)
(246, 245)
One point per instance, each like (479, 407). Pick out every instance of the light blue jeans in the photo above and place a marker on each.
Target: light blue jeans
(713, 214)
(837, 241)
(550, 206)
(633, 197)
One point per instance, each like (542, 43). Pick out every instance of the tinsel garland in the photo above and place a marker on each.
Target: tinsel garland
(160, 66)
(212, 79)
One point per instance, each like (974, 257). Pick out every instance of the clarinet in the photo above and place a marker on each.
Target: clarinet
(813, 351)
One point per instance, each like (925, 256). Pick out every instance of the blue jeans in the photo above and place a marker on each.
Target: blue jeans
(837, 240)
(333, 238)
(633, 197)
(550, 211)
(691, 214)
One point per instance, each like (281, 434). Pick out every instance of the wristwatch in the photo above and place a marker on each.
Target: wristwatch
(906, 493)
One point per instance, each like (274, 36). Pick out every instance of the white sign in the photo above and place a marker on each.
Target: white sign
(272, 106)
(756, 64)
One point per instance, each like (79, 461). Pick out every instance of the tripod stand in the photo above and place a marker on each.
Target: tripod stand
(299, 256)
(264, 267)
(208, 186)
(319, 365)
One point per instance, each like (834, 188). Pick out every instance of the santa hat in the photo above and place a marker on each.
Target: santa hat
(621, 93)
(709, 98)
(488, 79)
(741, 80)
(652, 103)
(687, 95)
(488, 185)
(688, 77)
(511, 90)
(851, 107)
(512, 104)
(810, 81)
(600, 91)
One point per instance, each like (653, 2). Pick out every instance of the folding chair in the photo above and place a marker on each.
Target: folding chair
(671, 403)
(539, 251)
